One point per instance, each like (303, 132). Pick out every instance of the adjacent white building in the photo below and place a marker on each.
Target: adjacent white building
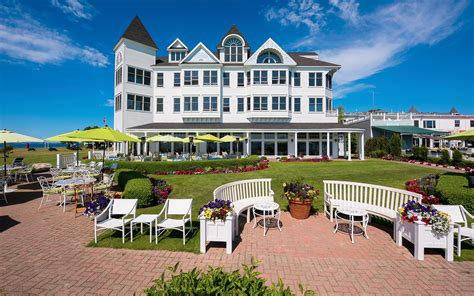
(280, 102)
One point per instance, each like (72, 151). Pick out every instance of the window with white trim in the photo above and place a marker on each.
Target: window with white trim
(209, 104)
(159, 104)
(233, 50)
(225, 78)
(472, 123)
(177, 79)
(159, 79)
(191, 77)
(279, 77)
(240, 79)
(457, 123)
(329, 81)
(297, 79)
(210, 78)
(138, 103)
(315, 79)
(118, 76)
(279, 103)
(177, 105)
(248, 78)
(315, 104)
(429, 123)
(260, 103)
(139, 76)
(226, 105)
(297, 104)
(191, 104)
(240, 104)
(260, 77)
(118, 102)
(177, 56)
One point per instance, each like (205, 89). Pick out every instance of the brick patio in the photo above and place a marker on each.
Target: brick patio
(44, 252)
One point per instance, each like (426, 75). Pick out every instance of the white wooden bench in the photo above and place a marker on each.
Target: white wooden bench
(244, 194)
(380, 201)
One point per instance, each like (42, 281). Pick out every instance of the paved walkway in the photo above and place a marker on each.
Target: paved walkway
(44, 252)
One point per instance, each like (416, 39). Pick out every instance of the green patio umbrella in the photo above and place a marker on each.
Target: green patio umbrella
(106, 135)
(164, 138)
(9, 137)
(465, 135)
(69, 137)
(208, 138)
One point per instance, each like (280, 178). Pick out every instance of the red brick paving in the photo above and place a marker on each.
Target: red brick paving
(46, 253)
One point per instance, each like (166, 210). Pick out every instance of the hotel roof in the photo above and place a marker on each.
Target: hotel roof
(137, 32)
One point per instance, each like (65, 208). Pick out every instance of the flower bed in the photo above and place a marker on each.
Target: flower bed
(209, 170)
(426, 186)
(413, 211)
(431, 163)
(292, 158)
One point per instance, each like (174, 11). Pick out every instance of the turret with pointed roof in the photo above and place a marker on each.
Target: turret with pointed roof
(234, 31)
(137, 32)
(413, 110)
(454, 110)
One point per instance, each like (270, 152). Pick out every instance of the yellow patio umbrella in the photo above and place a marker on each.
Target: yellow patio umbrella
(187, 140)
(465, 135)
(69, 137)
(208, 138)
(230, 139)
(10, 137)
(164, 138)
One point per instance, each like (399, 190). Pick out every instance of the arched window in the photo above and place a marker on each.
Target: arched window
(233, 50)
(119, 58)
(268, 57)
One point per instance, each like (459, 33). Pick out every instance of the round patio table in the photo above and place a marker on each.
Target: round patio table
(352, 215)
(269, 210)
(74, 183)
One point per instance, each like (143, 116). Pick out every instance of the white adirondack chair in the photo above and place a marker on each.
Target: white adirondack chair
(116, 216)
(459, 217)
(179, 207)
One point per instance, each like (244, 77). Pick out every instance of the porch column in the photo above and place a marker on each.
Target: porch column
(362, 146)
(139, 148)
(349, 153)
(247, 135)
(145, 144)
(328, 150)
(296, 144)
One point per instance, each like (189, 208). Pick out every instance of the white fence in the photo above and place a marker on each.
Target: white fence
(98, 154)
(63, 160)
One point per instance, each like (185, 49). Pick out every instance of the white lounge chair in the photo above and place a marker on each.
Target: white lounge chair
(116, 216)
(459, 217)
(181, 207)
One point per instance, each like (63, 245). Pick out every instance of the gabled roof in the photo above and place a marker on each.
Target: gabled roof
(234, 31)
(177, 44)
(409, 130)
(137, 32)
(270, 45)
(300, 60)
(207, 57)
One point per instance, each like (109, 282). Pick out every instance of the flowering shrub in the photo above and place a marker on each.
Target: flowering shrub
(426, 186)
(414, 211)
(299, 190)
(203, 171)
(161, 190)
(217, 209)
(96, 206)
(294, 159)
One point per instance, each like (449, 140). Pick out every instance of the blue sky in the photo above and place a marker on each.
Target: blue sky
(56, 59)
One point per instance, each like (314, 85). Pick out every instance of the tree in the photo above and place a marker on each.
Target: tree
(395, 145)
(340, 114)
(457, 157)
(90, 127)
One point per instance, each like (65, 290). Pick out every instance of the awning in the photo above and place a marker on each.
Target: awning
(409, 130)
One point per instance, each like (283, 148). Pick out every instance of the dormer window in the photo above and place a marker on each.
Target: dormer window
(268, 57)
(233, 50)
(176, 56)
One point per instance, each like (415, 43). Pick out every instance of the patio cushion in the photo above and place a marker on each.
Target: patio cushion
(112, 223)
(172, 223)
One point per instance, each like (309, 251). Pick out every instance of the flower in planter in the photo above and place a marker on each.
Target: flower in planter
(217, 209)
(96, 206)
(298, 190)
(414, 211)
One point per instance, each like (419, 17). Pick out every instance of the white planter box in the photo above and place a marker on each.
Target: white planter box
(216, 231)
(421, 236)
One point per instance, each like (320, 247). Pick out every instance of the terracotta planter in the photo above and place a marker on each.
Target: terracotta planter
(300, 208)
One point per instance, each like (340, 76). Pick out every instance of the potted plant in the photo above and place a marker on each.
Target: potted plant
(300, 196)
(216, 223)
(425, 227)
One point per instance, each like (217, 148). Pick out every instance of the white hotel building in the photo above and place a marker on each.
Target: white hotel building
(280, 102)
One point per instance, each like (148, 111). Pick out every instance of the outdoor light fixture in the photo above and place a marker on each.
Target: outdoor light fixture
(191, 140)
(238, 139)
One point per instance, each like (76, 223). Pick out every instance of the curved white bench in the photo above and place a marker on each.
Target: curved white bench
(244, 194)
(377, 200)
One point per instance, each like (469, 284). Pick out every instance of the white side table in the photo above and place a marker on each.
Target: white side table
(269, 210)
(147, 219)
(352, 215)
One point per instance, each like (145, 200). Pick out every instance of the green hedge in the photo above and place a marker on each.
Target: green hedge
(453, 189)
(151, 167)
(122, 176)
(141, 189)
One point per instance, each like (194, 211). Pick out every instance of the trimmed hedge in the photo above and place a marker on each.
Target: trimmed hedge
(453, 189)
(141, 189)
(122, 177)
(152, 167)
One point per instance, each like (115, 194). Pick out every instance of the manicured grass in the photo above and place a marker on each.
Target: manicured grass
(454, 189)
(200, 188)
(41, 155)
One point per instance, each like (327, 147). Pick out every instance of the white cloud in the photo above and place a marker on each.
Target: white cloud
(380, 39)
(23, 38)
(304, 12)
(348, 10)
(80, 9)
(109, 103)
(341, 91)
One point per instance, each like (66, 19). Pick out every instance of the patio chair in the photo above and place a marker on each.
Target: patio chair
(18, 162)
(25, 172)
(4, 190)
(459, 217)
(116, 216)
(104, 186)
(179, 207)
(57, 174)
(48, 191)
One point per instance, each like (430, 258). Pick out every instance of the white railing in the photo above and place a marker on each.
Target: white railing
(99, 154)
(63, 160)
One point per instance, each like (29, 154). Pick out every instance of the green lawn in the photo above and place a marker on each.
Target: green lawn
(200, 188)
(40, 155)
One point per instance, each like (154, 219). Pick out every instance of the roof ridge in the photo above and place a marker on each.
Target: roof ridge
(234, 30)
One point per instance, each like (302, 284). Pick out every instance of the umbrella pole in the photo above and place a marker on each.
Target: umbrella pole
(103, 162)
(5, 159)
(77, 154)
